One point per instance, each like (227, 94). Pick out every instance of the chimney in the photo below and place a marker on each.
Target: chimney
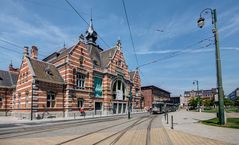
(25, 51)
(12, 69)
(34, 52)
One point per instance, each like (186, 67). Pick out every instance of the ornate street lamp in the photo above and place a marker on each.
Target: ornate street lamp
(198, 96)
(218, 60)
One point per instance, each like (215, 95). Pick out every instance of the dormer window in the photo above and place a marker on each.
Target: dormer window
(119, 63)
(95, 62)
(48, 71)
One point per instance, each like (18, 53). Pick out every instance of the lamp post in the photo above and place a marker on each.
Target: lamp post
(130, 101)
(218, 60)
(198, 96)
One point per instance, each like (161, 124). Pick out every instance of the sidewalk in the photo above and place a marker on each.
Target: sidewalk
(187, 121)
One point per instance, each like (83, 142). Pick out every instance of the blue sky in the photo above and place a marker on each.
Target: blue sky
(49, 24)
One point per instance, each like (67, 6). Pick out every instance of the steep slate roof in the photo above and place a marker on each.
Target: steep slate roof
(8, 79)
(107, 55)
(94, 52)
(154, 87)
(45, 72)
(131, 74)
(58, 55)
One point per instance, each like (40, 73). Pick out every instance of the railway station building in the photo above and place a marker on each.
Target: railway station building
(81, 76)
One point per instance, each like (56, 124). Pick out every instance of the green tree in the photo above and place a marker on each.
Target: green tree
(228, 102)
(237, 101)
(208, 103)
(192, 102)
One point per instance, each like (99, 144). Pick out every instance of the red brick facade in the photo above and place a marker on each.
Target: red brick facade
(154, 94)
(82, 76)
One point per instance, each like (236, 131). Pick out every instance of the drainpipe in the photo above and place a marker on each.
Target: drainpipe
(33, 81)
(6, 102)
(63, 96)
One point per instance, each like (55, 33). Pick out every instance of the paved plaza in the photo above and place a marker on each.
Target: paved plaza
(188, 122)
(141, 129)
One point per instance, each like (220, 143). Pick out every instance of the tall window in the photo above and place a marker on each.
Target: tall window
(26, 76)
(14, 101)
(80, 81)
(50, 99)
(19, 100)
(26, 101)
(80, 103)
(136, 92)
(1, 101)
(98, 87)
(119, 90)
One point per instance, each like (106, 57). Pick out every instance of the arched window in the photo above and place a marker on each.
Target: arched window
(119, 90)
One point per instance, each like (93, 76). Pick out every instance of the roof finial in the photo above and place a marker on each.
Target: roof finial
(118, 43)
(64, 45)
(91, 14)
(91, 34)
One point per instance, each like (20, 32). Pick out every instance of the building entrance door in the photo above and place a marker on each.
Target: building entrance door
(124, 108)
(120, 108)
(114, 108)
(98, 108)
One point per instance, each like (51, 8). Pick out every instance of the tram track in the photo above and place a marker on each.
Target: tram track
(148, 136)
(121, 133)
(41, 129)
(103, 129)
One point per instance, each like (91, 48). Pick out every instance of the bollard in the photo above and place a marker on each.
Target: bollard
(84, 115)
(171, 121)
(167, 118)
(74, 116)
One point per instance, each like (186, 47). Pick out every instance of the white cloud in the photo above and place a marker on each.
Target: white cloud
(43, 33)
(230, 22)
(182, 51)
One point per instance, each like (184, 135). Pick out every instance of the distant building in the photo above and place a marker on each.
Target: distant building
(8, 81)
(233, 95)
(175, 100)
(154, 94)
(203, 94)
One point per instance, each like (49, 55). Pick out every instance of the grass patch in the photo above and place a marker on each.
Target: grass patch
(231, 109)
(231, 122)
(214, 110)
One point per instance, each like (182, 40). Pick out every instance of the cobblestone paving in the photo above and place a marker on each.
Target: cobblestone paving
(118, 132)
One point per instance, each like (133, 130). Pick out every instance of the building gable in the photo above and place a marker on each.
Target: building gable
(118, 65)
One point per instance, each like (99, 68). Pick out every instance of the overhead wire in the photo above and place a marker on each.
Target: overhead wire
(174, 54)
(130, 32)
(16, 45)
(85, 21)
(11, 43)
(9, 49)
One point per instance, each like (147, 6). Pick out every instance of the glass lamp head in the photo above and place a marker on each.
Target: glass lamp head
(201, 22)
